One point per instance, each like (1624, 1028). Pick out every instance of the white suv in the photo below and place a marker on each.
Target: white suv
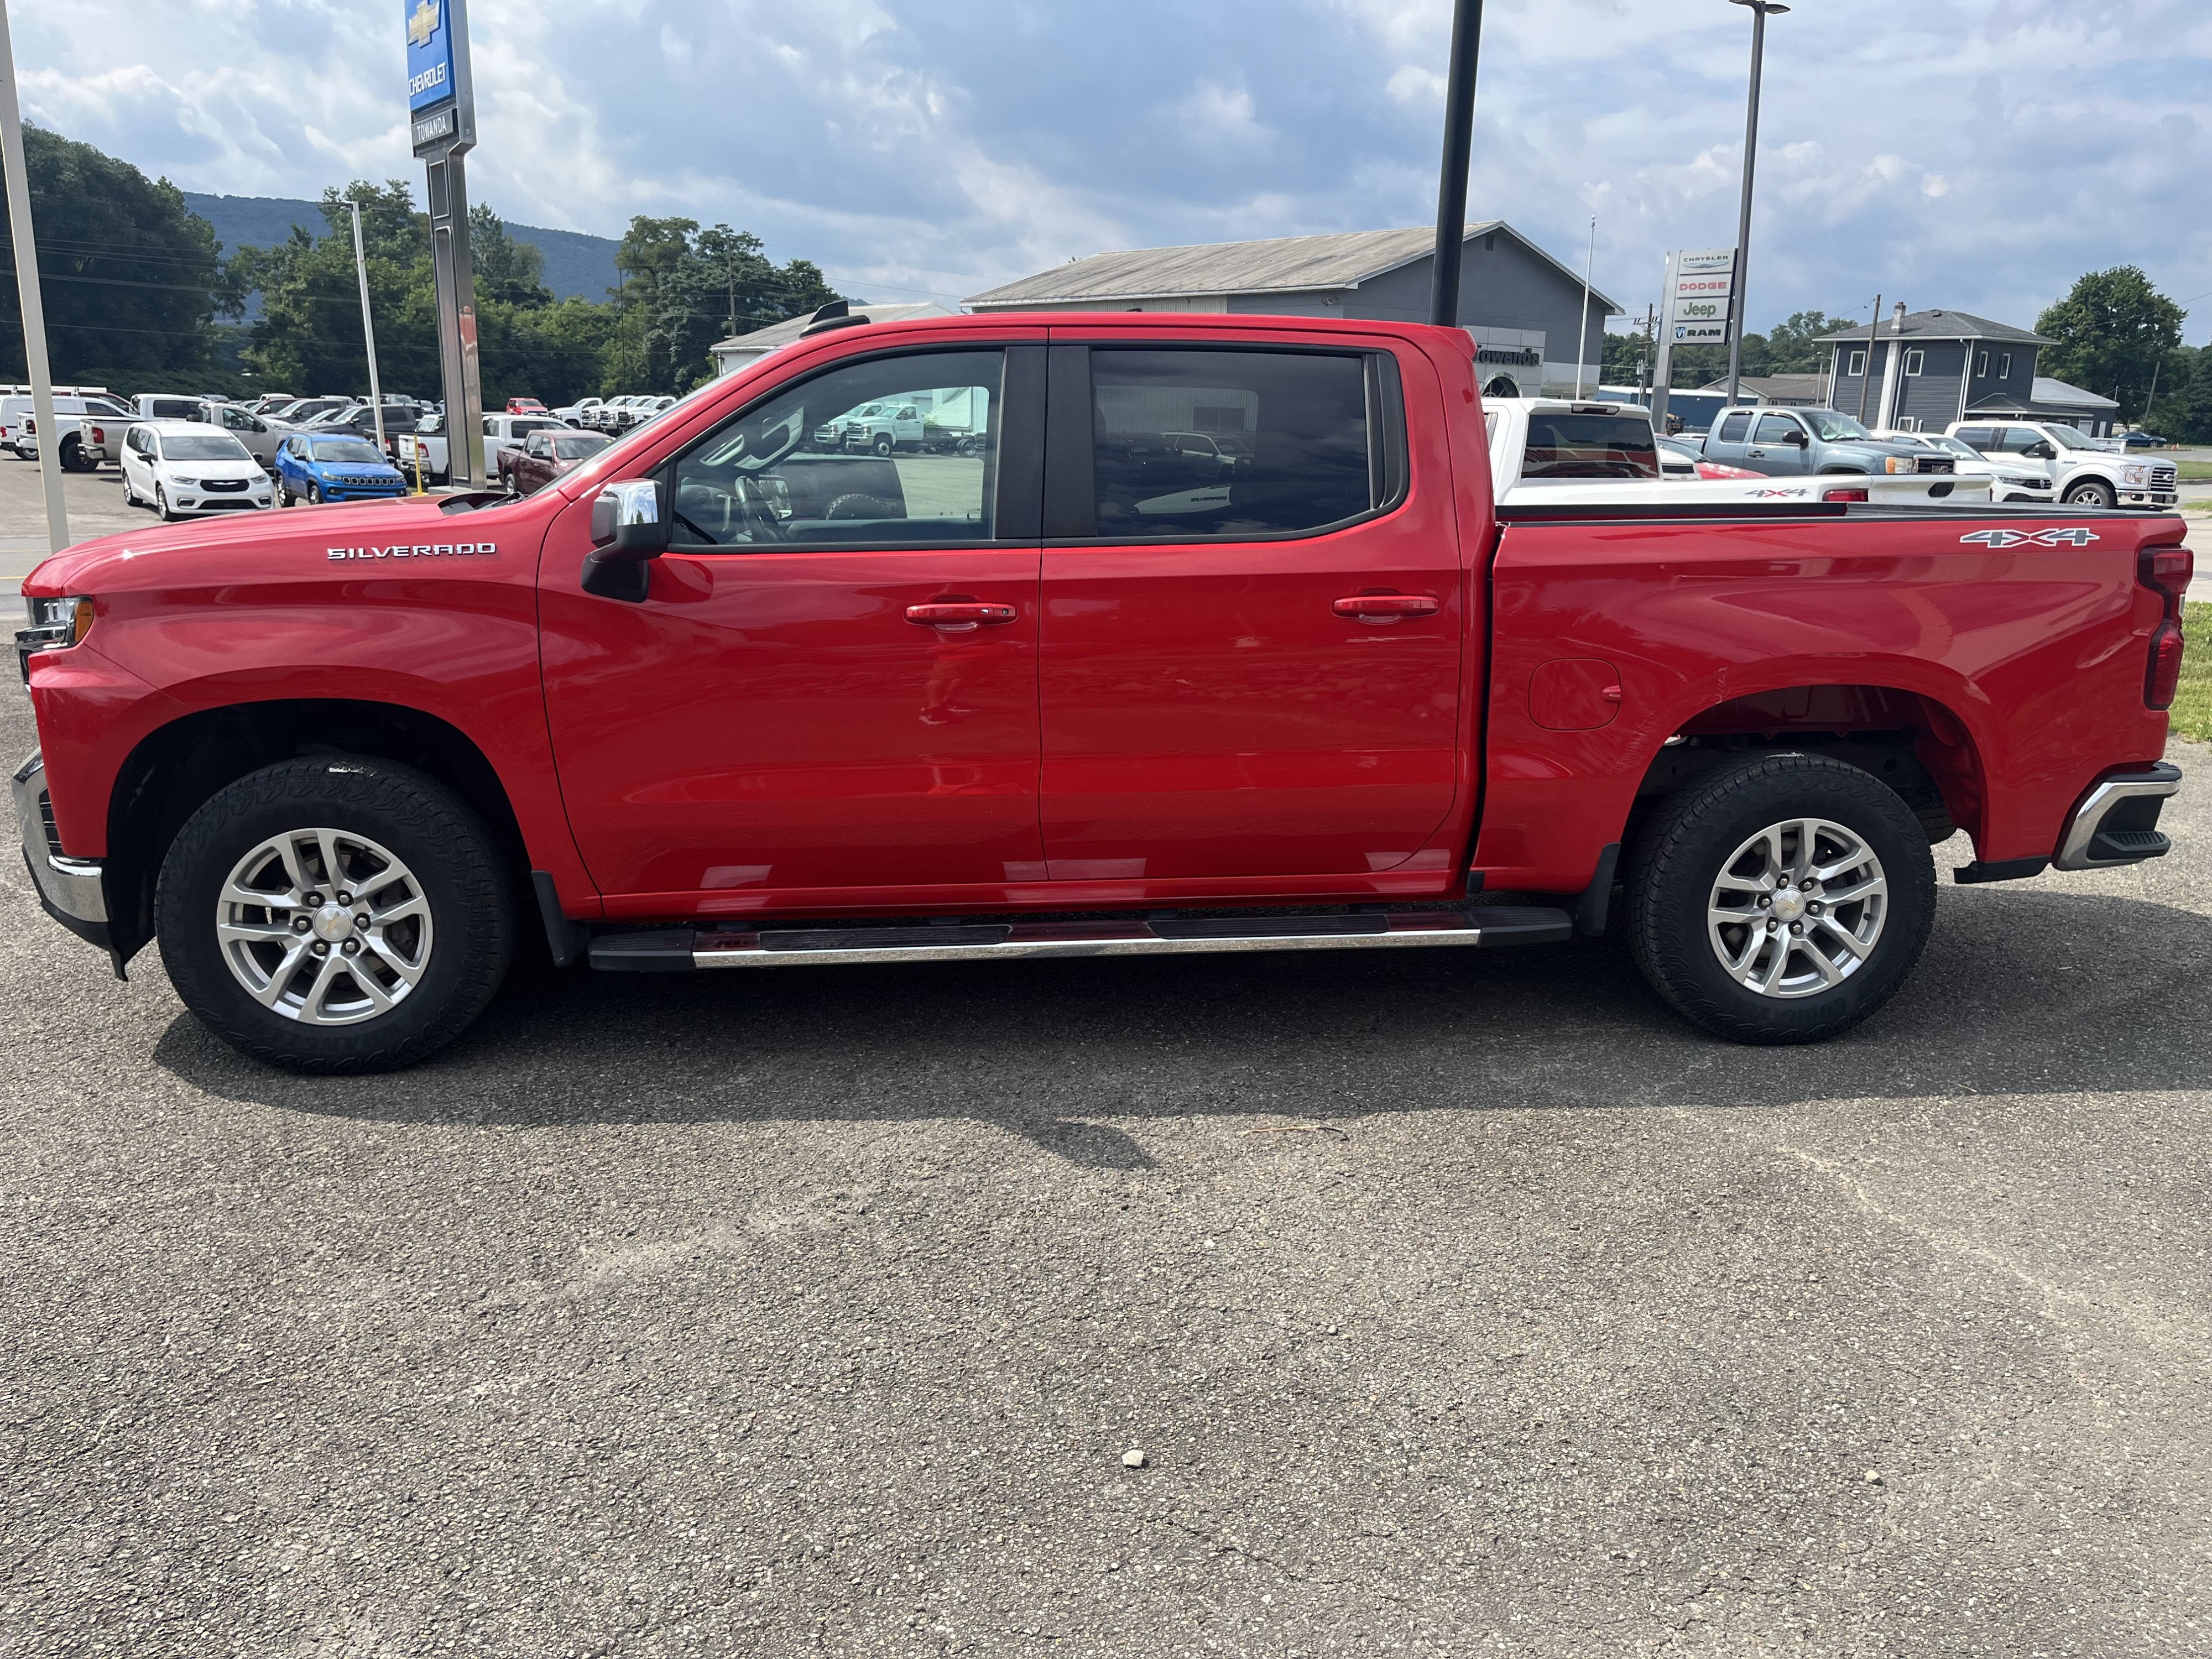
(2012, 477)
(2090, 474)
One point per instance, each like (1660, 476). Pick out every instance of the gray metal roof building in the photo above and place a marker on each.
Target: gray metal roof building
(1523, 307)
(734, 353)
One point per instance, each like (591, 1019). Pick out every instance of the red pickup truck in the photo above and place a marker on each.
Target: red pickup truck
(722, 698)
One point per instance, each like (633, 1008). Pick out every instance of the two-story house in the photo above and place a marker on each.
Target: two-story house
(1922, 370)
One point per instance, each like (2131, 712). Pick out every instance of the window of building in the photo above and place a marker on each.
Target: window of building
(1302, 451)
(841, 459)
(1915, 360)
(1981, 362)
(2004, 366)
(1857, 370)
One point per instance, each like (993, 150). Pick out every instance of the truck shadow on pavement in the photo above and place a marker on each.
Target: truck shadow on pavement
(2024, 991)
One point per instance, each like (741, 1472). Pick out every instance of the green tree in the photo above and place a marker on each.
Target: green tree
(2183, 409)
(2111, 334)
(684, 289)
(308, 338)
(128, 278)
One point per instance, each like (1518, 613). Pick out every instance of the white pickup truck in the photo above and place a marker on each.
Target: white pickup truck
(1579, 452)
(2090, 473)
(426, 445)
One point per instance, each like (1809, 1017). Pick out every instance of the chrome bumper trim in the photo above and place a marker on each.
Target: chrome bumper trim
(71, 887)
(2152, 782)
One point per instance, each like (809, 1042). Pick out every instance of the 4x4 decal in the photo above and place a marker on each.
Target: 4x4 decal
(2032, 538)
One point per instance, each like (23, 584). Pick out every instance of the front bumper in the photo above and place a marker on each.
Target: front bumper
(71, 889)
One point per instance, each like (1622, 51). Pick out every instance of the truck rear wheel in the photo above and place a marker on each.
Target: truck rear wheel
(1783, 899)
(335, 914)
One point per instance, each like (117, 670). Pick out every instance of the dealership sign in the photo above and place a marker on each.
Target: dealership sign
(1700, 284)
(439, 101)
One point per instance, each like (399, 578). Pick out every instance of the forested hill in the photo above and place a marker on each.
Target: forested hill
(576, 265)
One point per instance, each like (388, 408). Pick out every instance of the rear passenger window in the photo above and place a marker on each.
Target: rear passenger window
(1734, 428)
(1978, 437)
(1294, 442)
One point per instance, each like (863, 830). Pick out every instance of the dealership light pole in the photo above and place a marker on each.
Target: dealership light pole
(369, 330)
(1459, 144)
(26, 286)
(1581, 340)
(1759, 9)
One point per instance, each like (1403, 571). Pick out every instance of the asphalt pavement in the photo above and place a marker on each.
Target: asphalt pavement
(1444, 1302)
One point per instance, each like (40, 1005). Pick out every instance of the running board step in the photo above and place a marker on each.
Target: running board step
(680, 950)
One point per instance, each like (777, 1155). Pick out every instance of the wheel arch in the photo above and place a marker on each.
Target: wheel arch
(1914, 741)
(174, 770)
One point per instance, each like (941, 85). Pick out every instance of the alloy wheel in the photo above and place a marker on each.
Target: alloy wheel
(1797, 909)
(324, 926)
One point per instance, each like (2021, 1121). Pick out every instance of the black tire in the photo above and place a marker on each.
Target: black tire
(161, 504)
(1681, 853)
(73, 458)
(884, 445)
(441, 840)
(284, 495)
(314, 494)
(2092, 492)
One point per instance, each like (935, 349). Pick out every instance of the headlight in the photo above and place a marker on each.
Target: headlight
(55, 624)
(2135, 474)
(186, 483)
(1896, 463)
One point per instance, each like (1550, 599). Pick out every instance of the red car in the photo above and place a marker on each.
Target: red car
(526, 406)
(718, 699)
(544, 456)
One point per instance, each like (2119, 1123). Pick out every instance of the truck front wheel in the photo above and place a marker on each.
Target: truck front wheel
(2092, 492)
(1783, 899)
(335, 914)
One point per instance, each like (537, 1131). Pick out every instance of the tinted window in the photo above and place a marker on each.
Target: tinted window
(1978, 437)
(172, 409)
(1567, 446)
(1734, 428)
(1312, 459)
(2017, 440)
(1777, 429)
(788, 472)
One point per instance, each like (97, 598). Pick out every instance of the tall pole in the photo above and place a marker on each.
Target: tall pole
(1459, 145)
(1874, 338)
(26, 286)
(1581, 340)
(369, 328)
(1759, 10)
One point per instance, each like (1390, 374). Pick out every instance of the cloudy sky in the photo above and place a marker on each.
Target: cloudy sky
(1975, 154)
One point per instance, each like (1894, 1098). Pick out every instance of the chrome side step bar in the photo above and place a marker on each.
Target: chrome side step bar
(680, 950)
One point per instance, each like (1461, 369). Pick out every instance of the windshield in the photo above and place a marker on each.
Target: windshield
(190, 446)
(348, 449)
(2067, 437)
(1832, 427)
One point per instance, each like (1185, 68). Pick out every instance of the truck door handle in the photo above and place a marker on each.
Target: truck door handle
(1388, 604)
(1759, 454)
(964, 613)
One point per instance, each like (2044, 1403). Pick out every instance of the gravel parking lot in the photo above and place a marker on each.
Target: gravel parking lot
(1456, 1303)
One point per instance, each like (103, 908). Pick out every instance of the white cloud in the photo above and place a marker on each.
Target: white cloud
(1978, 153)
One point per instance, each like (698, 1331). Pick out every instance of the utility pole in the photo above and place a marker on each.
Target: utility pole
(1874, 336)
(33, 300)
(1644, 357)
(1759, 9)
(369, 330)
(1582, 341)
(1459, 146)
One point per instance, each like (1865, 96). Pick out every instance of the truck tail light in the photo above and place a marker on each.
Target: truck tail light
(1858, 494)
(2166, 572)
(100, 435)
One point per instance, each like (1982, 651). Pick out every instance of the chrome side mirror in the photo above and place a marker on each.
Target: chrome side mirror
(628, 532)
(627, 521)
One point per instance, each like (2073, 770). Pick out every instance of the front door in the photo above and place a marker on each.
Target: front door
(1252, 646)
(1779, 445)
(831, 684)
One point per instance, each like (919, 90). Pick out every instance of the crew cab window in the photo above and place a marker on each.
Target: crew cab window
(1315, 423)
(2017, 440)
(1978, 438)
(1568, 445)
(1734, 428)
(1777, 429)
(799, 470)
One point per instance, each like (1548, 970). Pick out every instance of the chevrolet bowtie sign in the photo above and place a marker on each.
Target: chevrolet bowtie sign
(438, 99)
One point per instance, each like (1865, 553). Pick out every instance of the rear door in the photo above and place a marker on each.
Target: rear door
(1253, 671)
